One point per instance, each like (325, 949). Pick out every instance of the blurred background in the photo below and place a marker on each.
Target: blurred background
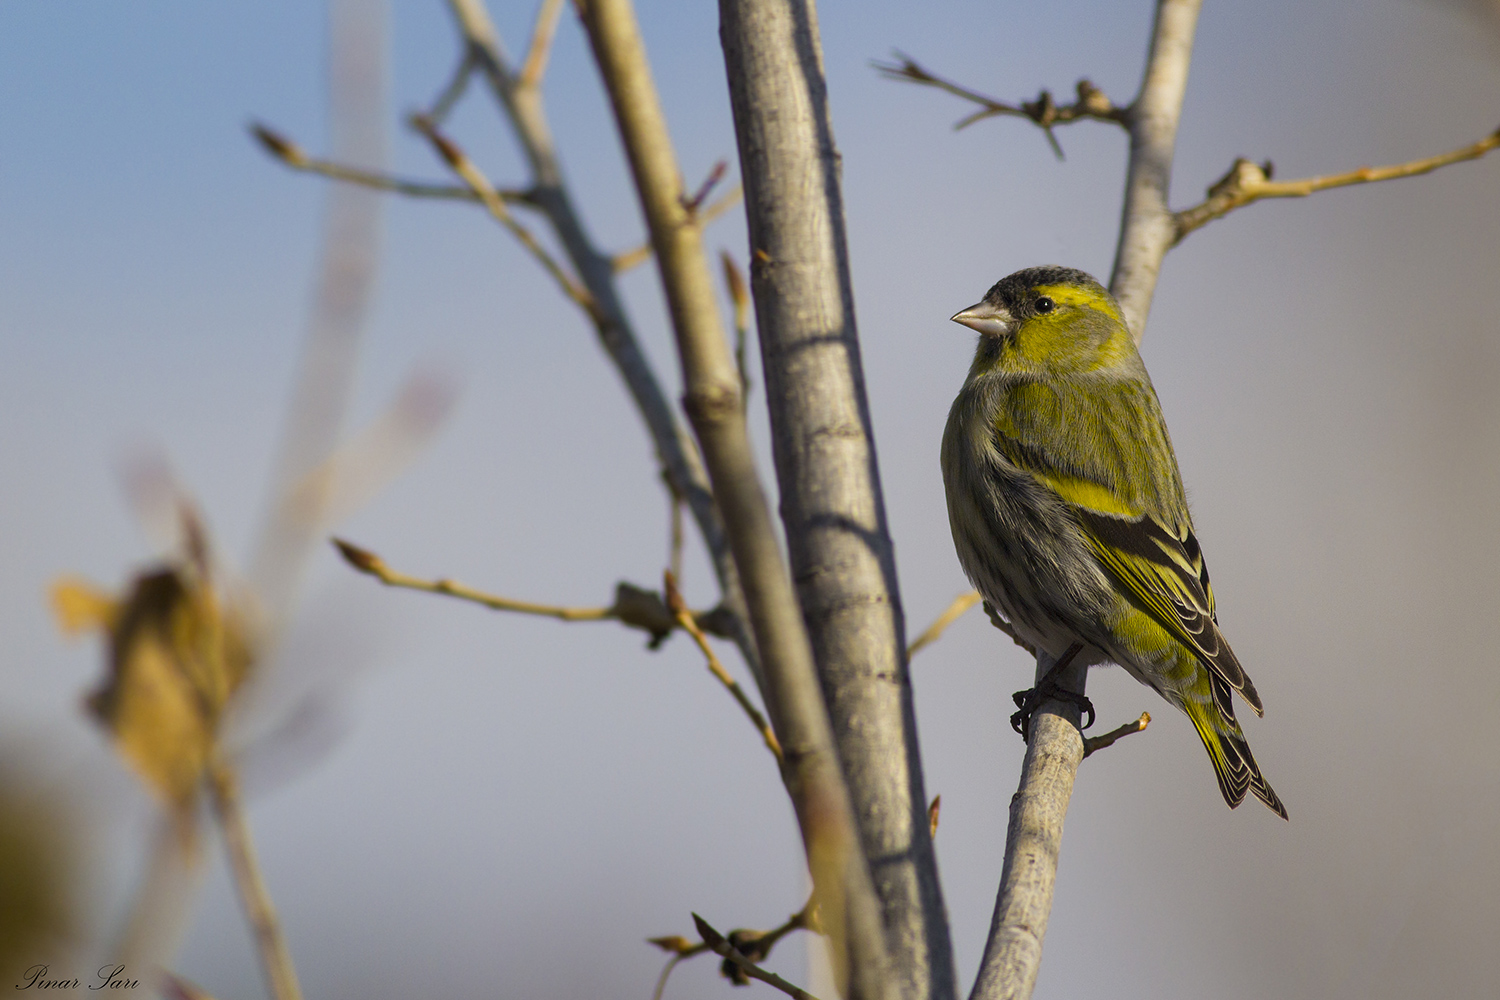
(489, 804)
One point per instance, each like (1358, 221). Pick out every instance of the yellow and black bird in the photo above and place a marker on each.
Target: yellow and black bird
(1068, 511)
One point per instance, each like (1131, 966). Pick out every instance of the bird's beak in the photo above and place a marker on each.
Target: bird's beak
(990, 320)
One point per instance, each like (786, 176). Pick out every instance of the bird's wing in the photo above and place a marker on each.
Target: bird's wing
(1163, 571)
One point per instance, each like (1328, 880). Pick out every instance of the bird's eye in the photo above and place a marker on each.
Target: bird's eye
(1044, 304)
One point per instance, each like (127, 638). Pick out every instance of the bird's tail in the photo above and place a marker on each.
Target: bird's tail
(1233, 762)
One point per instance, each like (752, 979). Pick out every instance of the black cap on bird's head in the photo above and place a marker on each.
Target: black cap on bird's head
(1011, 299)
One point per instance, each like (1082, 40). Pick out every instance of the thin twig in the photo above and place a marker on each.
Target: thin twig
(675, 448)
(471, 175)
(752, 944)
(721, 946)
(445, 101)
(684, 618)
(639, 255)
(275, 959)
(634, 606)
(1044, 112)
(542, 35)
(1094, 743)
(370, 563)
(292, 155)
(661, 982)
(955, 611)
(1247, 182)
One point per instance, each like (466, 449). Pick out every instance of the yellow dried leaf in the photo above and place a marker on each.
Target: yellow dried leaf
(81, 606)
(175, 659)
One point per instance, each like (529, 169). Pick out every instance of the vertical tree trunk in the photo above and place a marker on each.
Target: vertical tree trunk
(831, 504)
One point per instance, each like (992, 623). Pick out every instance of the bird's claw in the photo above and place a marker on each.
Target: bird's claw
(1030, 700)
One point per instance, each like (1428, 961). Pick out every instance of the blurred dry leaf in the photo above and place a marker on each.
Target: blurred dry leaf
(80, 606)
(176, 655)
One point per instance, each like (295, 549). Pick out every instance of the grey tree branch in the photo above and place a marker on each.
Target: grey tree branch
(1033, 840)
(682, 467)
(848, 905)
(831, 504)
(1147, 226)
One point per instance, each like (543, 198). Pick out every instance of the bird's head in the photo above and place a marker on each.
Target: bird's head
(1049, 320)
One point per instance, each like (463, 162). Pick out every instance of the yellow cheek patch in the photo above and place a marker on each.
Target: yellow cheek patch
(1083, 298)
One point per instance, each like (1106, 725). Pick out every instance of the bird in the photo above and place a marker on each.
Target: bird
(1068, 511)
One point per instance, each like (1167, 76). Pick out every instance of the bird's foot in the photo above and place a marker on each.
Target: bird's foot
(1030, 700)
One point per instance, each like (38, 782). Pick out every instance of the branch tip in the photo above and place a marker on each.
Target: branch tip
(278, 145)
(361, 559)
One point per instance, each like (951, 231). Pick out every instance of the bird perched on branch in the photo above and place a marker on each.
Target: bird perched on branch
(1068, 510)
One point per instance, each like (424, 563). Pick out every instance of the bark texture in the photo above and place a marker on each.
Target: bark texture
(1147, 228)
(1033, 841)
(831, 504)
(848, 906)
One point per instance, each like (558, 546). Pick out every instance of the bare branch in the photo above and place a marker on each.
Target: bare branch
(639, 255)
(954, 612)
(721, 946)
(1247, 182)
(634, 606)
(751, 944)
(541, 44)
(1147, 228)
(684, 618)
(292, 156)
(674, 446)
(838, 538)
(1033, 841)
(1044, 112)
(275, 959)
(712, 399)
(471, 175)
(444, 103)
(1096, 743)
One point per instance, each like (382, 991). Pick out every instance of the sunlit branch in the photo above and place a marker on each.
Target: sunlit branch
(1094, 743)
(639, 255)
(471, 175)
(684, 618)
(1247, 182)
(954, 612)
(634, 606)
(542, 36)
